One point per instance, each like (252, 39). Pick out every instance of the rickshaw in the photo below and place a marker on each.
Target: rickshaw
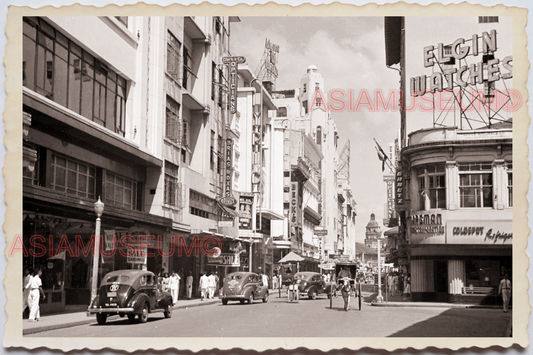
(346, 283)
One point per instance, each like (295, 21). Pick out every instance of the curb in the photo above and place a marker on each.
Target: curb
(90, 320)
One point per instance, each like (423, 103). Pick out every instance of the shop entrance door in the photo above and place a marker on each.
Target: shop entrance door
(441, 281)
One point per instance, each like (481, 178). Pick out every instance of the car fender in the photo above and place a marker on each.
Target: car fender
(312, 288)
(137, 302)
(164, 299)
(247, 291)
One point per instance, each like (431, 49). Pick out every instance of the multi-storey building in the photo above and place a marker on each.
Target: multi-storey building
(454, 182)
(138, 120)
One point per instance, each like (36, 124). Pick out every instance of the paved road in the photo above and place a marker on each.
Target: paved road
(308, 318)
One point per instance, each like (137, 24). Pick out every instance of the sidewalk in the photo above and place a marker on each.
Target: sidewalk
(402, 301)
(67, 320)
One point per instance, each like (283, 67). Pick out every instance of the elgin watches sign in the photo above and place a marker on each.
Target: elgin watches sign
(489, 69)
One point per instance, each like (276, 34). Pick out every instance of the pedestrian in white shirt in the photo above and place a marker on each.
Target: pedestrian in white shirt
(204, 286)
(264, 279)
(26, 289)
(189, 285)
(36, 290)
(212, 284)
(174, 286)
(505, 290)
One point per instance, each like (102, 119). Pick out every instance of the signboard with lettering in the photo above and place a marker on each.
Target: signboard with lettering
(389, 179)
(399, 187)
(228, 181)
(245, 210)
(426, 228)
(232, 63)
(480, 232)
(295, 211)
(225, 259)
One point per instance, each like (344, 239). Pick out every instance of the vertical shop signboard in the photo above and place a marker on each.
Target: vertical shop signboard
(399, 187)
(229, 164)
(232, 63)
(389, 179)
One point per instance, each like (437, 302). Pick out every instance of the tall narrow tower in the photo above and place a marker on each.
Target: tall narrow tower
(267, 71)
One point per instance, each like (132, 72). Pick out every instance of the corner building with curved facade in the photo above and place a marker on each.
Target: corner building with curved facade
(459, 226)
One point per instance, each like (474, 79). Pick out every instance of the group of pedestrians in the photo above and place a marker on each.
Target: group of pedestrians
(209, 285)
(32, 292)
(174, 284)
(399, 283)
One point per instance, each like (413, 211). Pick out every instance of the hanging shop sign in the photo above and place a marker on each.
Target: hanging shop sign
(225, 259)
(489, 69)
(399, 182)
(389, 179)
(480, 232)
(296, 209)
(245, 210)
(228, 199)
(232, 63)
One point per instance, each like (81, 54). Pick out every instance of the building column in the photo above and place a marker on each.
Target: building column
(456, 276)
(452, 186)
(499, 183)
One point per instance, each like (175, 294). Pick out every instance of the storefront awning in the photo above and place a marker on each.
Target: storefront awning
(271, 215)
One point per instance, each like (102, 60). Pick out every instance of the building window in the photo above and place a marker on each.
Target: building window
(317, 86)
(432, 186)
(281, 112)
(213, 158)
(73, 177)
(214, 80)
(510, 183)
(305, 106)
(32, 177)
(173, 127)
(319, 135)
(475, 185)
(120, 191)
(173, 189)
(488, 19)
(220, 158)
(123, 20)
(63, 72)
(187, 61)
(174, 68)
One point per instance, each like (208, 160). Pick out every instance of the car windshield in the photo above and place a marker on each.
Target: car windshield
(234, 277)
(118, 278)
(300, 276)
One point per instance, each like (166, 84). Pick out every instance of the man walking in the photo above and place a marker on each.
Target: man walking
(36, 289)
(505, 291)
(204, 286)
(212, 284)
(174, 286)
(189, 285)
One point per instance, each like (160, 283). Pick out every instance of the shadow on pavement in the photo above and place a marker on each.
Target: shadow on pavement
(489, 323)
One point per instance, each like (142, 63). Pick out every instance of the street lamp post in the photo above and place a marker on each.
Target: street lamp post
(379, 298)
(99, 210)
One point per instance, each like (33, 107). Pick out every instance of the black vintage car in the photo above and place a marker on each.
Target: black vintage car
(131, 293)
(311, 284)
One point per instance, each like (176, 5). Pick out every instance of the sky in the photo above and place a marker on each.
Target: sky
(350, 55)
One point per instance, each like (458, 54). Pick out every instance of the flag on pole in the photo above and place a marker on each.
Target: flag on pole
(381, 155)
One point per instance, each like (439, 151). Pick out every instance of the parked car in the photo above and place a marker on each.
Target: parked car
(311, 284)
(243, 286)
(132, 293)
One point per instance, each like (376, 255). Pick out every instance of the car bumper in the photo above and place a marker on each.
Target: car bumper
(107, 310)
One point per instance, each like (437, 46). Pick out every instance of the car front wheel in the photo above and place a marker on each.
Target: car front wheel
(143, 317)
(101, 318)
(265, 299)
(251, 298)
(168, 311)
(312, 295)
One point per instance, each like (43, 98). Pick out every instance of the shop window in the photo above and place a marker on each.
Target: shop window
(482, 273)
(173, 126)
(174, 66)
(475, 185)
(73, 177)
(120, 191)
(510, 183)
(63, 72)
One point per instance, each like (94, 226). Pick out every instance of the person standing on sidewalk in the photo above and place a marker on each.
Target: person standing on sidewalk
(174, 287)
(204, 286)
(217, 283)
(407, 289)
(26, 289)
(400, 283)
(189, 285)
(390, 284)
(36, 290)
(212, 284)
(505, 291)
(395, 282)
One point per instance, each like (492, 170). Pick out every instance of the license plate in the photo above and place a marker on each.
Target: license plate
(111, 294)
